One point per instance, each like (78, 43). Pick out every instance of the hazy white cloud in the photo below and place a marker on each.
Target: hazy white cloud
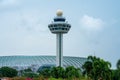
(23, 31)
(91, 23)
(22, 21)
(32, 21)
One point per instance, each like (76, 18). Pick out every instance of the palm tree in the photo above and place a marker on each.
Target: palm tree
(87, 67)
(116, 73)
(97, 68)
(118, 64)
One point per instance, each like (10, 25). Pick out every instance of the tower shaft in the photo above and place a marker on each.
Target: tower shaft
(59, 58)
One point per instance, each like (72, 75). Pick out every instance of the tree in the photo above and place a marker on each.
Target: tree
(46, 73)
(97, 68)
(72, 72)
(8, 72)
(116, 73)
(87, 67)
(118, 64)
(58, 72)
(27, 70)
(29, 74)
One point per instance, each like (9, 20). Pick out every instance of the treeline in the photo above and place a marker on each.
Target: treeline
(54, 72)
(93, 69)
(59, 72)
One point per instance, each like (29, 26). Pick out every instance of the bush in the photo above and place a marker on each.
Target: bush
(29, 74)
(8, 72)
(58, 72)
(46, 73)
(72, 72)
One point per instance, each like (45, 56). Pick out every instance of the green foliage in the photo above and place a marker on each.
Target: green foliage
(58, 72)
(97, 68)
(8, 72)
(55, 78)
(46, 73)
(27, 70)
(118, 64)
(72, 72)
(116, 74)
(87, 67)
(29, 74)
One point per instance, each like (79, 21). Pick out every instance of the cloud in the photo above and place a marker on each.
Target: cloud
(91, 23)
(23, 32)
(32, 21)
(22, 21)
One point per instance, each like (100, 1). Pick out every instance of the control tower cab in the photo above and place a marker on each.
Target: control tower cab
(59, 25)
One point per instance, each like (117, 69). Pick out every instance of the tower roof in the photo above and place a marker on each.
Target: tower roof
(59, 12)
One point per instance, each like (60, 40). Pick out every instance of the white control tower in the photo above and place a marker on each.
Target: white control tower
(59, 27)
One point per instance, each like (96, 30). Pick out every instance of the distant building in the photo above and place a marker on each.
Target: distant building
(34, 62)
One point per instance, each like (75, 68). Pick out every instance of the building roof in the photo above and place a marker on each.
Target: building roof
(27, 61)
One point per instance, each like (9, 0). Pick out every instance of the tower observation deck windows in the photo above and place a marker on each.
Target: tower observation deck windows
(60, 25)
(55, 25)
(59, 19)
(56, 28)
(63, 28)
(64, 25)
(68, 26)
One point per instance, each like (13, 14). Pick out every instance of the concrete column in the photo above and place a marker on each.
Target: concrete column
(59, 57)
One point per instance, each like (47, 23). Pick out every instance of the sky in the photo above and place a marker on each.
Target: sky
(95, 28)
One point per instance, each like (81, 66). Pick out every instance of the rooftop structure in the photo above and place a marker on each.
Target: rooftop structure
(34, 62)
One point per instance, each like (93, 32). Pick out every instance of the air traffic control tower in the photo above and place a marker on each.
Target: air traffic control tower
(59, 27)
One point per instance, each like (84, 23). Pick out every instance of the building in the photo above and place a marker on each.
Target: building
(59, 26)
(34, 62)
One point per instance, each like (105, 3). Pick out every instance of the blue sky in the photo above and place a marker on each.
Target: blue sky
(95, 28)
